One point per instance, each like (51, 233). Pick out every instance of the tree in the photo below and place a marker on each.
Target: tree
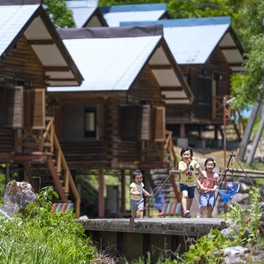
(248, 86)
(59, 14)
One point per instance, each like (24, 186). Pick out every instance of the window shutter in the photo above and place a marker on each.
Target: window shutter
(146, 123)
(159, 124)
(15, 107)
(34, 109)
(11, 106)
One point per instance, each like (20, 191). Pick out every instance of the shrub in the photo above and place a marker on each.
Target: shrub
(41, 236)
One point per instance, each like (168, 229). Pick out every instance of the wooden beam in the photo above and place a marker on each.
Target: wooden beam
(61, 79)
(160, 66)
(41, 42)
(171, 89)
(236, 64)
(57, 68)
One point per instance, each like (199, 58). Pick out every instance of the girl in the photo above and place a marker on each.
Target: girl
(136, 194)
(187, 167)
(207, 188)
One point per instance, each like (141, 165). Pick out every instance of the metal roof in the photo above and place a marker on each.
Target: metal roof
(86, 13)
(192, 41)
(32, 22)
(140, 12)
(110, 62)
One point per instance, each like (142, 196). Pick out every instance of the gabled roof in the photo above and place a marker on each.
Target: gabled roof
(192, 41)
(27, 18)
(86, 13)
(140, 12)
(110, 59)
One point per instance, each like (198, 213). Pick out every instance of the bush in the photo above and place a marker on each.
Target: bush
(41, 236)
(243, 230)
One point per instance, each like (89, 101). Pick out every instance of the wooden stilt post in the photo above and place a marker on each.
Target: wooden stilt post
(101, 206)
(123, 191)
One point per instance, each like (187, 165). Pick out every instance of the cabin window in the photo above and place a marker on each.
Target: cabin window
(90, 122)
(204, 90)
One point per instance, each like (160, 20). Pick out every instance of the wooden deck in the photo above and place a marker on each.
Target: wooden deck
(133, 239)
(169, 226)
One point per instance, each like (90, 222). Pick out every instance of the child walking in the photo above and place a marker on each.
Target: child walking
(207, 188)
(187, 167)
(136, 194)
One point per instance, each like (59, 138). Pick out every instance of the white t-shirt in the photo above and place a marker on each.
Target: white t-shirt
(136, 187)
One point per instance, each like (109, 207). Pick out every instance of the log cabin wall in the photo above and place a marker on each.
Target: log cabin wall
(117, 142)
(80, 125)
(20, 67)
(215, 76)
(146, 88)
(21, 63)
(145, 125)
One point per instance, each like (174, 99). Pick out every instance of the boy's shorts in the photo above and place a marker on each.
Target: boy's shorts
(207, 199)
(190, 190)
(136, 204)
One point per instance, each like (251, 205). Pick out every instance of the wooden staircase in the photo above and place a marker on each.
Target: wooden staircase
(226, 116)
(162, 178)
(47, 153)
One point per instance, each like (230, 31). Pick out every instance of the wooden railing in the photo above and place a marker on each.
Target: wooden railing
(169, 148)
(218, 109)
(46, 140)
(231, 116)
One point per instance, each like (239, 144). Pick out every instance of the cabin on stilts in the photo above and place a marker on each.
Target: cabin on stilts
(32, 57)
(208, 53)
(116, 120)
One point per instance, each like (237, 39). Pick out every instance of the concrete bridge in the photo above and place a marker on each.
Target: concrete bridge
(134, 239)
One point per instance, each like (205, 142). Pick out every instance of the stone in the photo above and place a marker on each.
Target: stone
(241, 198)
(17, 196)
(244, 188)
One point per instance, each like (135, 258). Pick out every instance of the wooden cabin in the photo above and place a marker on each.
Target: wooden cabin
(208, 53)
(86, 13)
(138, 12)
(32, 57)
(116, 118)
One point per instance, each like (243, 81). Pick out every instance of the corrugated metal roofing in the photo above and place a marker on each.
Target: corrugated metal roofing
(192, 41)
(82, 10)
(140, 12)
(12, 20)
(110, 63)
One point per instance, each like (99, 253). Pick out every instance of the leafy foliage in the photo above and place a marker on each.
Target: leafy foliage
(204, 247)
(243, 228)
(244, 224)
(200, 8)
(41, 236)
(248, 87)
(59, 14)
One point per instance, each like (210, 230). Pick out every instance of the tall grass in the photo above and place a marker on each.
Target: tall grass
(43, 237)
